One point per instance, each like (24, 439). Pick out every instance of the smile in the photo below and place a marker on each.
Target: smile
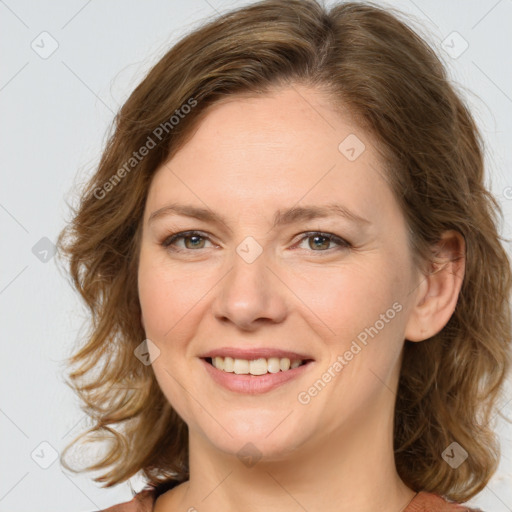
(259, 366)
(256, 375)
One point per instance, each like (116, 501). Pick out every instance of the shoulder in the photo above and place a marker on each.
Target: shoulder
(430, 502)
(143, 501)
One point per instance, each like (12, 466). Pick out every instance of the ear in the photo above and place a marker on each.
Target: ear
(437, 294)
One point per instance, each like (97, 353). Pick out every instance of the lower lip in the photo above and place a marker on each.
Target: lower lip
(253, 384)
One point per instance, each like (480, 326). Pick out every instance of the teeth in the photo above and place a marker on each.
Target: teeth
(259, 366)
(273, 364)
(229, 364)
(241, 366)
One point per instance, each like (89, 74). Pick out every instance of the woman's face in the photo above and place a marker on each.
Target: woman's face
(263, 181)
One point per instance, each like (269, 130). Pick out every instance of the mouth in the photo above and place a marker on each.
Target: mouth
(255, 367)
(254, 376)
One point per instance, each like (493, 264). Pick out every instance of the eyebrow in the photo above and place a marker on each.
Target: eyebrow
(281, 217)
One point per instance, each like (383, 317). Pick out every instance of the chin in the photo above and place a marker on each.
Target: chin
(257, 435)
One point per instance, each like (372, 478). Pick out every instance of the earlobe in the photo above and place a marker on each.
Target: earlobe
(439, 290)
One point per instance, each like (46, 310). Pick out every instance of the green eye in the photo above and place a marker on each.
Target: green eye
(195, 240)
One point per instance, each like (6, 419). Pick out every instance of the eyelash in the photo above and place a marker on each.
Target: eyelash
(342, 243)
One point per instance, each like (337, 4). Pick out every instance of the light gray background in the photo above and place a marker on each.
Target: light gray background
(55, 113)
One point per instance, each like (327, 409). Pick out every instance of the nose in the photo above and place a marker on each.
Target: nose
(251, 294)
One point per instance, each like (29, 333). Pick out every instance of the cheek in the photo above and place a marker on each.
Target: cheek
(364, 307)
(156, 303)
(174, 300)
(166, 299)
(165, 296)
(349, 299)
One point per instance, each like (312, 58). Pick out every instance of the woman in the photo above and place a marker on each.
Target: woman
(299, 295)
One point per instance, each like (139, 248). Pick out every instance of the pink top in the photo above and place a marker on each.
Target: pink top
(144, 500)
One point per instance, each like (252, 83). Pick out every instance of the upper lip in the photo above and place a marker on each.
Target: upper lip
(254, 353)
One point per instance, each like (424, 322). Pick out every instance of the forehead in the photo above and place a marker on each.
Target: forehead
(271, 151)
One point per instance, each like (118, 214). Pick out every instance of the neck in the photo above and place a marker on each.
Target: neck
(349, 471)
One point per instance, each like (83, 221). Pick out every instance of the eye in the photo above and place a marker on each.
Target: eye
(192, 239)
(319, 241)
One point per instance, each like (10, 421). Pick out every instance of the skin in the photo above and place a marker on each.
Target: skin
(250, 157)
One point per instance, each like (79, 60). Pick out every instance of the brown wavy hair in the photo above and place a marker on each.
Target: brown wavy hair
(368, 60)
